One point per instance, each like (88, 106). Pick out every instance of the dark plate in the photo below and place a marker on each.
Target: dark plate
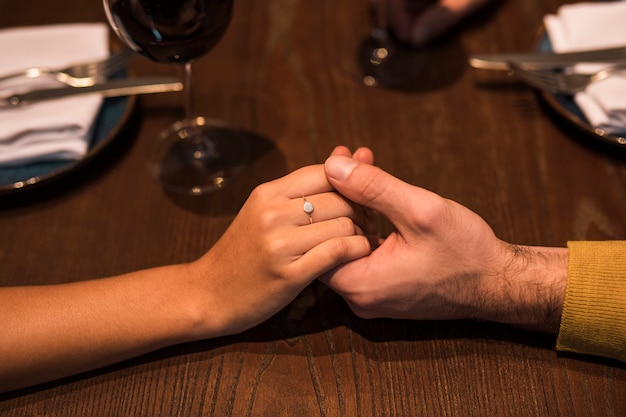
(112, 116)
(567, 108)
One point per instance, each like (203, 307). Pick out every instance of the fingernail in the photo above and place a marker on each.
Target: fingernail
(340, 167)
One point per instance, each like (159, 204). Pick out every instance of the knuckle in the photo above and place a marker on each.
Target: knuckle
(363, 298)
(267, 212)
(372, 188)
(262, 193)
(433, 213)
(269, 217)
(274, 246)
(282, 273)
(344, 226)
(338, 248)
(363, 309)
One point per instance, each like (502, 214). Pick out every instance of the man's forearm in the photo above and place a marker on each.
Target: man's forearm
(531, 290)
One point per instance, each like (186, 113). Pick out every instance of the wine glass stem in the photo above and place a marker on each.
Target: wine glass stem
(381, 15)
(189, 104)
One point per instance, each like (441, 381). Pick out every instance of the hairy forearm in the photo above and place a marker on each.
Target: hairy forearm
(530, 289)
(50, 332)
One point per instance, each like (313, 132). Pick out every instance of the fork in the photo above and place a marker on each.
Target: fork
(83, 74)
(558, 82)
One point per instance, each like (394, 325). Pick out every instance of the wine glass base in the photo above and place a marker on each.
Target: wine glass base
(198, 156)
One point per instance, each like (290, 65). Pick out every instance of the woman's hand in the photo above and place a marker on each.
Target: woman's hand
(273, 249)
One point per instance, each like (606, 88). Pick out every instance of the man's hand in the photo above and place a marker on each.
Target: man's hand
(443, 261)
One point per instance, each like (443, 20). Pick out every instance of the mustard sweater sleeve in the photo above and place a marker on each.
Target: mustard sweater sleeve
(594, 312)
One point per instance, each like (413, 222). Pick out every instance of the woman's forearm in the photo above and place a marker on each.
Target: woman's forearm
(60, 330)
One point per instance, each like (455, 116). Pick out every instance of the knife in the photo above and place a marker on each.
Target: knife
(113, 88)
(546, 60)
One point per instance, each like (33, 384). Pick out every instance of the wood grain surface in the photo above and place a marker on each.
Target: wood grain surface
(286, 72)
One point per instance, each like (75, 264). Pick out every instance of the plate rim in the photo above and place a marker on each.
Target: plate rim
(555, 104)
(29, 183)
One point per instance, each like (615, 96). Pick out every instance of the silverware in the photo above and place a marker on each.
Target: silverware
(82, 74)
(113, 88)
(546, 60)
(558, 82)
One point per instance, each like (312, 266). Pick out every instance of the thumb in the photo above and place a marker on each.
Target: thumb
(370, 186)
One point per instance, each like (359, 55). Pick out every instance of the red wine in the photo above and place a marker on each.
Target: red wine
(170, 31)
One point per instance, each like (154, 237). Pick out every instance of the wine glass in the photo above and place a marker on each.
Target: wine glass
(195, 155)
(385, 61)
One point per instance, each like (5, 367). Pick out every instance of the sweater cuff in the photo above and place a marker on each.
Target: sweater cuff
(594, 320)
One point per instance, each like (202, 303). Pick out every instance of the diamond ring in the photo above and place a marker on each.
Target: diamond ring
(308, 209)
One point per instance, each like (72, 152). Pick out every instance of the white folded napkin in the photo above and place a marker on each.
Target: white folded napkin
(55, 129)
(582, 26)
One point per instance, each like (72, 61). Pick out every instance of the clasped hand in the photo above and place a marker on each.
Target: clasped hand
(443, 261)
(273, 249)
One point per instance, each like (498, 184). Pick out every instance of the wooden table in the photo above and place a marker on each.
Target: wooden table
(286, 71)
